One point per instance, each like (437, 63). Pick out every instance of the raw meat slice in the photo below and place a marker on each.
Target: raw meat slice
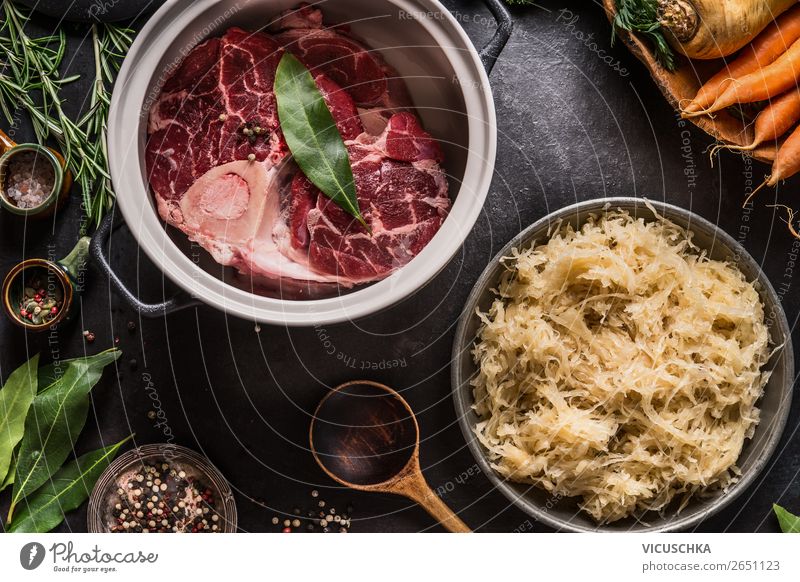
(262, 216)
(360, 71)
(402, 193)
(196, 123)
(303, 16)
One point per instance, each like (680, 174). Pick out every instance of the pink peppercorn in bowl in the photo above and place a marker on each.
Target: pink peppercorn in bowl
(161, 488)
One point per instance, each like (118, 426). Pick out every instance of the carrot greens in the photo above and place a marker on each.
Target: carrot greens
(642, 16)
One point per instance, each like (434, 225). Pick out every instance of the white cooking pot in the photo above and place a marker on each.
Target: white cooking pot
(448, 82)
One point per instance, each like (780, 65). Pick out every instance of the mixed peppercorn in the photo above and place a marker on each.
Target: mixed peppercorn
(252, 130)
(162, 498)
(322, 518)
(40, 302)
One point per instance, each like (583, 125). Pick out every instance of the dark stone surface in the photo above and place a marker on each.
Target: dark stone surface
(94, 10)
(571, 127)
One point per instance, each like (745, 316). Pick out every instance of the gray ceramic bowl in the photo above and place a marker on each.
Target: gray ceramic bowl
(563, 514)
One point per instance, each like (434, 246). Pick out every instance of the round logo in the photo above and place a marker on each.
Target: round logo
(31, 555)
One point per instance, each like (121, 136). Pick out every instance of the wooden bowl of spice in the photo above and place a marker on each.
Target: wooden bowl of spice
(39, 294)
(162, 488)
(34, 181)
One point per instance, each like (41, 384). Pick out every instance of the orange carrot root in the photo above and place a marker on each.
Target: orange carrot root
(691, 108)
(736, 148)
(753, 193)
(691, 105)
(686, 114)
(732, 148)
(789, 221)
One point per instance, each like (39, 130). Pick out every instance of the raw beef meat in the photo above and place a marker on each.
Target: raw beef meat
(244, 200)
(195, 125)
(360, 71)
(402, 193)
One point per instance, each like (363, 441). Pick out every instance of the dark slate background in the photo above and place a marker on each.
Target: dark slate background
(571, 127)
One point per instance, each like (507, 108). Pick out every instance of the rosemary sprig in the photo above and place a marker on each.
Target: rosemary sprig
(31, 68)
(110, 44)
(641, 16)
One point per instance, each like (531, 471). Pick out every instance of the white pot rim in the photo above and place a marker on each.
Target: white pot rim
(143, 64)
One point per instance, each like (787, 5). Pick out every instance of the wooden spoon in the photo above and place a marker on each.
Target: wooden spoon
(365, 436)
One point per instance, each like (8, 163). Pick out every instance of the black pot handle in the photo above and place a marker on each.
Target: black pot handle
(505, 25)
(100, 242)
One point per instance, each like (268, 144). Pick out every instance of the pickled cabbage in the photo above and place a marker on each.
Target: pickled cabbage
(620, 365)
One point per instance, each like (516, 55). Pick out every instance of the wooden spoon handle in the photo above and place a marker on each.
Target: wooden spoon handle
(443, 514)
(415, 488)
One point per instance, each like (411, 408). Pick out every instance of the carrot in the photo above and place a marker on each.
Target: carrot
(773, 121)
(766, 83)
(786, 164)
(768, 46)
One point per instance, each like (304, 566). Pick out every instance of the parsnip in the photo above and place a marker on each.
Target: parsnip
(710, 29)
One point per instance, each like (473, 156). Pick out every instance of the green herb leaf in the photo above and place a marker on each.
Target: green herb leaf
(49, 375)
(65, 491)
(312, 135)
(15, 400)
(641, 16)
(12, 469)
(54, 422)
(789, 523)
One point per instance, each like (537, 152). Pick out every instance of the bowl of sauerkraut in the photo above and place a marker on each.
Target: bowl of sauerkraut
(622, 365)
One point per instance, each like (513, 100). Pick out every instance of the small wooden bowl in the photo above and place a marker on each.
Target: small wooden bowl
(62, 274)
(682, 85)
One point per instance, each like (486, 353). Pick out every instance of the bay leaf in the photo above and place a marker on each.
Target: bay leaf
(54, 422)
(50, 374)
(64, 492)
(9, 480)
(16, 398)
(312, 135)
(789, 522)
